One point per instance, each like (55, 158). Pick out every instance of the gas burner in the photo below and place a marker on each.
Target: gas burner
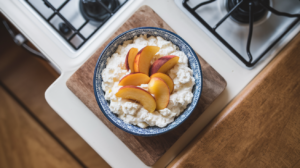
(241, 14)
(97, 10)
(76, 21)
(256, 33)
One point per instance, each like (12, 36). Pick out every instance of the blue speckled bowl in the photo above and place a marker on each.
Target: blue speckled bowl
(111, 48)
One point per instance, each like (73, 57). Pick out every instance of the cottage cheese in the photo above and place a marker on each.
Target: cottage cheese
(134, 113)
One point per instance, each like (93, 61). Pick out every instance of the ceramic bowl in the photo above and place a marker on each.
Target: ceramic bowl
(111, 48)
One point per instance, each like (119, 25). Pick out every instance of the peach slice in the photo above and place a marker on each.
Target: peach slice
(166, 79)
(135, 79)
(143, 58)
(138, 94)
(163, 64)
(161, 92)
(129, 60)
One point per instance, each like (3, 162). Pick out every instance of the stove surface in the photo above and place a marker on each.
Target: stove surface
(265, 31)
(65, 17)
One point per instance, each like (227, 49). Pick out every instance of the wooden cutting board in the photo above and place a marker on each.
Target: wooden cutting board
(148, 149)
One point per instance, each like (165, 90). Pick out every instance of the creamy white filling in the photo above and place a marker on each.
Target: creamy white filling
(132, 112)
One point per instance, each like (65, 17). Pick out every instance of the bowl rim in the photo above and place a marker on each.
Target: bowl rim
(94, 81)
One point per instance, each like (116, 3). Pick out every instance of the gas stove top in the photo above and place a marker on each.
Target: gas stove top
(248, 30)
(75, 21)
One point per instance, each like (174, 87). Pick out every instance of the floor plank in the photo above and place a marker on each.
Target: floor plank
(260, 127)
(24, 143)
(28, 79)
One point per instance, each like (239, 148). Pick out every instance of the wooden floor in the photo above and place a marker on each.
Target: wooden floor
(31, 133)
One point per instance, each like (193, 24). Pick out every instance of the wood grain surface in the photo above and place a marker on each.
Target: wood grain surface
(148, 149)
(27, 78)
(260, 127)
(25, 143)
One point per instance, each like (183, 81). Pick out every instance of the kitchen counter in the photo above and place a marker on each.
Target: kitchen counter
(260, 127)
(82, 120)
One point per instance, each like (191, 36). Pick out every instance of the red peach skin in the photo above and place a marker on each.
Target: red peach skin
(163, 64)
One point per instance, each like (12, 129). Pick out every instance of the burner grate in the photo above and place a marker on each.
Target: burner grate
(75, 34)
(249, 63)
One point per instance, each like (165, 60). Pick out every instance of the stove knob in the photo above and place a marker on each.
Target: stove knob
(64, 28)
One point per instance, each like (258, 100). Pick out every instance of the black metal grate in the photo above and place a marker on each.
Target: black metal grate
(251, 62)
(75, 32)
